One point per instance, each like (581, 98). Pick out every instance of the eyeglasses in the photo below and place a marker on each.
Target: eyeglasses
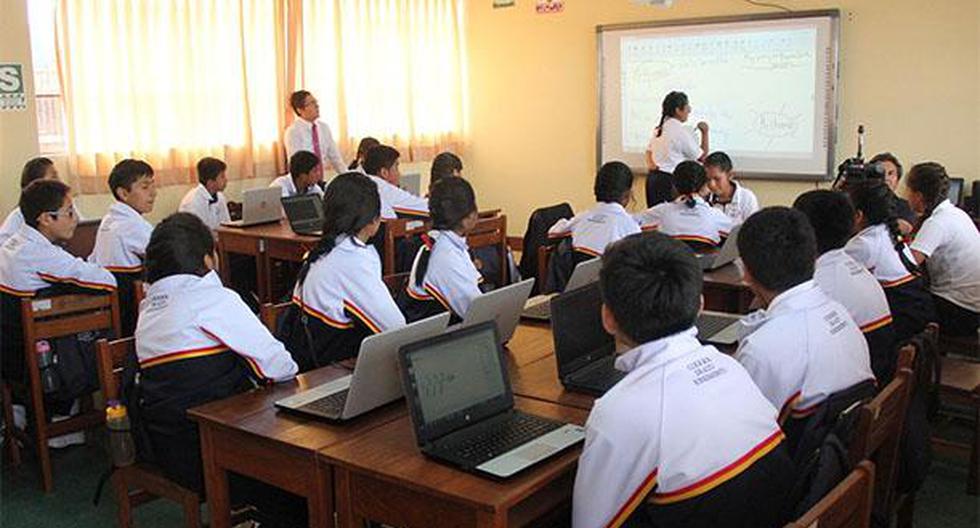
(70, 213)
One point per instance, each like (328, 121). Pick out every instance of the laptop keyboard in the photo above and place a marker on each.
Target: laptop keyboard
(332, 405)
(709, 324)
(502, 437)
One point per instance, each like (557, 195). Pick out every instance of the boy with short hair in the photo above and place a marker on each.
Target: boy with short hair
(685, 438)
(206, 200)
(727, 194)
(303, 178)
(39, 168)
(381, 165)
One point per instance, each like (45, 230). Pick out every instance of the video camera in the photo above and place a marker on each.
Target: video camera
(854, 170)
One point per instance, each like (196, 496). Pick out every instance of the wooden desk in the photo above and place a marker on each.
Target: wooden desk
(382, 476)
(247, 435)
(725, 290)
(539, 380)
(530, 343)
(265, 242)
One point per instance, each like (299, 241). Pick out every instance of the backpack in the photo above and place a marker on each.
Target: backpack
(536, 236)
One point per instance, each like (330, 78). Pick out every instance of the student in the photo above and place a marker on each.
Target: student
(689, 217)
(671, 144)
(728, 195)
(443, 275)
(891, 170)
(445, 165)
(607, 222)
(803, 346)
(311, 134)
(196, 342)
(847, 281)
(340, 297)
(879, 246)
(363, 147)
(686, 438)
(381, 165)
(32, 263)
(206, 200)
(35, 169)
(303, 178)
(948, 244)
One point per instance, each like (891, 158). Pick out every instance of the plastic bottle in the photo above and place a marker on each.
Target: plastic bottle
(45, 364)
(121, 445)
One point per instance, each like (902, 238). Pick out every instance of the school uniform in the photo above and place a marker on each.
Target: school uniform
(341, 301)
(314, 137)
(742, 204)
(451, 280)
(676, 143)
(596, 228)
(686, 431)
(30, 263)
(397, 201)
(949, 239)
(15, 220)
(211, 209)
(288, 186)
(120, 245)
(701, 224)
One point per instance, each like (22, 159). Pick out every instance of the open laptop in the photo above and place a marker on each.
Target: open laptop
(718, 328)
(259, 206)
(305, 213)
(411, 183)
(502, 305)
(462, 407)
(586, 272)
(726, 255)
(374, 381)
(955, 191)
(585, 353)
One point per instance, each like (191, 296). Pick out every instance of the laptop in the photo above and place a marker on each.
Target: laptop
(538, 307)
(305, 214)
(955, 191)
(462, 408)
(502, 305)
(375, 379)
(259, 206)
(718, 328)
(585, 353)
(411, 183)
(726, 255)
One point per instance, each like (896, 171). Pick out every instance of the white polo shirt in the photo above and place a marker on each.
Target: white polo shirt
(299, 136)
(675, 425)
(120, 243)
(873, 248)
(596, 228)
(741, 206)
(701, 223)
(395, 200)
(950, 241)
(851, 284)
(451, 277)
(30, 262)
(212, 210)
(288, 186)
(676, 143)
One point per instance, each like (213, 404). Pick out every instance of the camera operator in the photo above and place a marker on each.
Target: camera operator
(892, 170)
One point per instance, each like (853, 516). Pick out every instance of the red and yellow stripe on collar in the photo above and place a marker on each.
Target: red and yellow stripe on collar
(362, 315)
(898, 282)
(408, 211)
(881, 322)
(805, 411)
(77, 282)
(125, 269)
(634, 501)
(320, 316)
(650, 227)
(437, 295)
(695, 238)
(183, 354)
(586, 251)
(15, 292)
(788, 406)
(416, 295)
(724, 474)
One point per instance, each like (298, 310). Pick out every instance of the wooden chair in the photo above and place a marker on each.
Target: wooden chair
(398, 229)
(396, 283)
(139, 483)
(848, 505)
(959, 384)
(269, 314)
(139, 292)
(51, 318)
(492, 231)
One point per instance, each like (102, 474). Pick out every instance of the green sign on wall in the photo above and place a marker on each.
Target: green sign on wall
(12, 95)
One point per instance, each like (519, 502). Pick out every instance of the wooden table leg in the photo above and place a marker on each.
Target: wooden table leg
(224, 263)
(263, 275)
(320, 506)
(215, 482)
(491, 520)
(346, 517)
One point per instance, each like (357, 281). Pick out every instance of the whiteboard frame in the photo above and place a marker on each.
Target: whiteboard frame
(834, 99)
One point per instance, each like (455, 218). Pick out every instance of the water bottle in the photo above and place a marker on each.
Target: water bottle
(45, 364)
(121, 446)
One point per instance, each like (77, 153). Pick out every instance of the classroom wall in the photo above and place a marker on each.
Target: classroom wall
(908, 72)
(18, 130)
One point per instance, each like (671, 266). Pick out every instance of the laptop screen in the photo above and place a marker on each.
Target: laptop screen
(301, 208)
(955, 190)
(576, 319)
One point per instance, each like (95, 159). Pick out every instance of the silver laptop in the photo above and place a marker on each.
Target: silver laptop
(374, 381)
(726, 255)
(718, 328)
(259, 206)
(538, 307)
(411, 183)
(502, 305)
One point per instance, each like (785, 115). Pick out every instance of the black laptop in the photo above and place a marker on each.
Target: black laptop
(305, 213)
(585, 353)
(462, 406)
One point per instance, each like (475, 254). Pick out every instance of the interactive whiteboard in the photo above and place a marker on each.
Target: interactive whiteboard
(766, 86)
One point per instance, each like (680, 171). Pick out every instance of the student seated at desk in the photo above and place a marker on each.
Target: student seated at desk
(688, 218)
(847, 281)
(381, 165)
(727, 194)
(120, 243)
(363, 147)
(304, 176)
(206, 200)
(444, 165)
(686, 438)
(803, 346)
(948, 244)
(340, 298)
(443, 275)
(35, 169)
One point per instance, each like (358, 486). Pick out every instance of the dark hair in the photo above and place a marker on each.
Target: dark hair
(363, 147)
(34, 169)
(877, 202)
(778, 247)
(613, 182)
(178, 246)
(689, 178)
(673, 102)
(652, 285)
(126, 173)
(209, 169)
(831, 216)
(889, 157)
(443, 166)
(931, 181)
(450, 201)
(297, 98)
(350, 202)
(719, 159)
(380, 157)
(42, 196)
(302, 162)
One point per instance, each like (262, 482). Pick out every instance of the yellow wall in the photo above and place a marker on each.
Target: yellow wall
(909, 72)
(18, 130)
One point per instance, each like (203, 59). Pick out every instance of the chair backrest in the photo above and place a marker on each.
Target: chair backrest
(269, 314)
(397, 229)
(111, 358)
(64, 315)
(396, 282)
(139, 292)
(536, 235)
(492, 232)
(848, 505)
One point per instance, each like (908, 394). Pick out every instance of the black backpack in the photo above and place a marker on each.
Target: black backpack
(536, 236)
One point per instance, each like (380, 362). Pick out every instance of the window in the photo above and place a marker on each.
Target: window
(47, 90)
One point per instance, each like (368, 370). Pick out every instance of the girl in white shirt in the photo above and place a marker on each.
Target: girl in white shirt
(727, 195)
(671, 144)
(688, 218)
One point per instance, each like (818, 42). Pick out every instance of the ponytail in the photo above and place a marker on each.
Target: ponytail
(931, 181)
(689, 178)
(423, 263)
(672, 103)
(875, 200)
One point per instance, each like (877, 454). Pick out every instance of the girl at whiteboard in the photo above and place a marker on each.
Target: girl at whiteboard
(671, 144)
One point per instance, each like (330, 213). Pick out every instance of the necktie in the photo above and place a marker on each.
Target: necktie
(316, 143)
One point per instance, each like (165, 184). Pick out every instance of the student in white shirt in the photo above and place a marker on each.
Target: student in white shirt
(40, 168)
(670, 144)
(803, 346)
(304, 176)
(381, 165)
(948, 244)
(206, 200)
(689, 217)
(443, 275)
(444, 165)
(340, 297)
(311, 134)
(686, 438)
(847, 281)
(363, 147)
(727, 194)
